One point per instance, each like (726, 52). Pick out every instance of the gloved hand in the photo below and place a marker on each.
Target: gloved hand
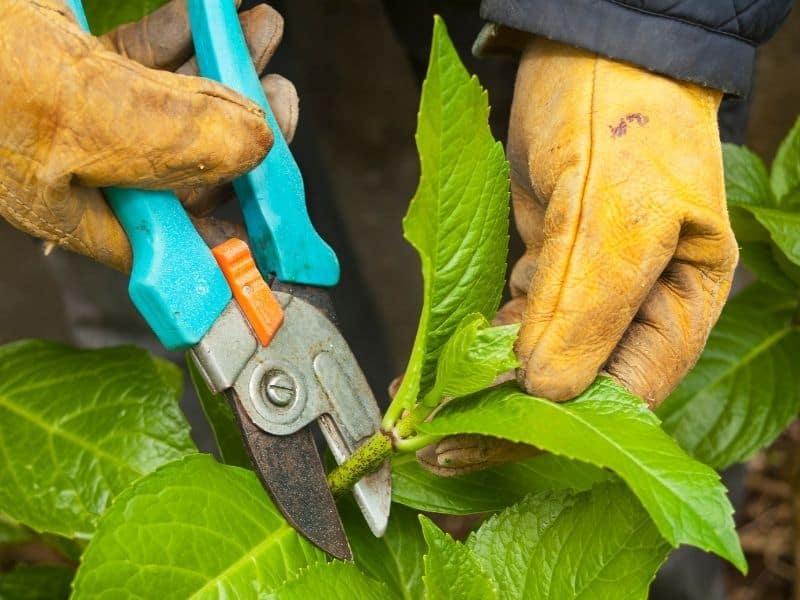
(618, 193)
(79, 112)
(619, 196)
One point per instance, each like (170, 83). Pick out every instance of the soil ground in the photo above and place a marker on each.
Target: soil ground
(767, 524)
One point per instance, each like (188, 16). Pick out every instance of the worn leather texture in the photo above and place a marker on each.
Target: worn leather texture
(618, 193)
(78, 113)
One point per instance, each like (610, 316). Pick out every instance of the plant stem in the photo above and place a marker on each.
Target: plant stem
(401, 438)
(393, 412)
(407, 426)
(364, 460)
(416, 442)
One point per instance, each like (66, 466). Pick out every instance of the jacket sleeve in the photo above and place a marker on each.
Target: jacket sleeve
(711, 42)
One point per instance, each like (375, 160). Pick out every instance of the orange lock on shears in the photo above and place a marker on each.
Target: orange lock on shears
(256, 300)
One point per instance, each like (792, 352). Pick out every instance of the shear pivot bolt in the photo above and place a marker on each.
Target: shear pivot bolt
(281, 388)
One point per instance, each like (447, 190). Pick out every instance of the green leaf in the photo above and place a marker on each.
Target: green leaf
(395, 558)
(472, 358)
(787, 267)
(745, 389)
(451, 569)
(609, 427)
(783, 227)
(220, 417)
(747, 185)
(760, 213)
(194, 528)
(767, 263)
(12, 533)
(785, 177)
(332, 581)
(746, 227)
(104, 15)
(40, 582)
(595, 544)
(746, 177)
(458, 218)
(78, 426)
(489, 490)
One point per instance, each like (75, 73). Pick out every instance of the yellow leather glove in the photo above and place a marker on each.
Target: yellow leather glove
(618, 193)
(619, 196)
(79, 112)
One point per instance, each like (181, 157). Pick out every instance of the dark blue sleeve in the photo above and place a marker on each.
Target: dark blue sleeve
(711, 42)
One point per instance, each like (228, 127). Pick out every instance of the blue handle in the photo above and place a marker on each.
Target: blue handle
(272, 196)
(175, 282)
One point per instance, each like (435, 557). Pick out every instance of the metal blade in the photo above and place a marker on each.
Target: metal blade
(374, 496)
(354, 417)
(373, 492)
(291, 471)
(336, 391)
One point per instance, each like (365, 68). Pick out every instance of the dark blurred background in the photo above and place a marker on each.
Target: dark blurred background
(357, 65)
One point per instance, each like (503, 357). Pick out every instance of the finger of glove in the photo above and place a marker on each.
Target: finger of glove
(124, 124)
(284, 102)
(511, 312)
(394, 385)
(529, 216)
(263, 31)
(467, 453)
(57, 7)
(215, 231)
(201, 202)
(617, 197)
(98, 235)
(670, 330)
(283, 99)
(595, 269)
(161, 40)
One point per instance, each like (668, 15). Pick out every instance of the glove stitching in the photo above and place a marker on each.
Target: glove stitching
(41, 227)
(67, 24)
(275, 21)
(145, 35)
(50, 8)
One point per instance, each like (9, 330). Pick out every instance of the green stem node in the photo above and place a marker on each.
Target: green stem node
(365, 459)
(369, 457)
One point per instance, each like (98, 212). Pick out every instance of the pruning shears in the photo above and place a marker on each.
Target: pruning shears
(271, 348)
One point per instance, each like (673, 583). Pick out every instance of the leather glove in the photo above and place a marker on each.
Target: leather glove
(79, 112)
(466, 453)
(618, 194)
